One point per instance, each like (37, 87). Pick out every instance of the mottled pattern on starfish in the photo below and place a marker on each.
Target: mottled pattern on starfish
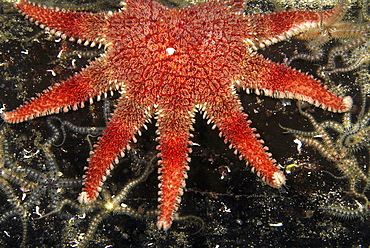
(169, 63)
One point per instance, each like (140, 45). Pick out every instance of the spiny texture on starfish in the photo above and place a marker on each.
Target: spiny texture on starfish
(169, 63)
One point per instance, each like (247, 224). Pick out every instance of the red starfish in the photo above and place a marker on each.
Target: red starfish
(170, 63)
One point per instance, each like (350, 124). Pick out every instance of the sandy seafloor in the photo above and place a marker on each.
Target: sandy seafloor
(237, 209)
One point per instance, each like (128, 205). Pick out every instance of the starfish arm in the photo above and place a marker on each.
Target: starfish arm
(71, 93)
(266, 29)
(126, 121)
(173, 129)
(280, 81)
(226, 113)
(81, 25)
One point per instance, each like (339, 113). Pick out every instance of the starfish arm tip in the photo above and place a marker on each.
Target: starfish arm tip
(10, 117)
(5, 116)
(347, 103)
(163, 224)
(278, 179)
(85, 198)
